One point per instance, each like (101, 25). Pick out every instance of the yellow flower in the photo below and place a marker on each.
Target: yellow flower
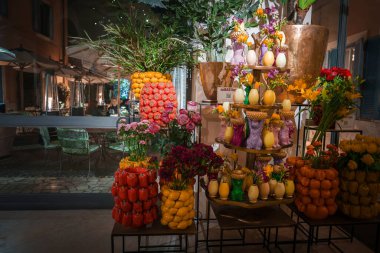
(234, 157)
(268, 169)
(367, 159)
(220, 108)
(249, 43)
(358, 148)
(371, 148)
(291, 87)
(249, 78)
(352, 165)
(359, 137)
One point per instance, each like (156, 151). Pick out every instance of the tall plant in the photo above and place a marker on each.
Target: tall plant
(205, 21)
(138, 46)
(298, 9)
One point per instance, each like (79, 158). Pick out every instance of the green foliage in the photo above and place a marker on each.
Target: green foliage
(205, 21)
(136, 45)
(305, 4)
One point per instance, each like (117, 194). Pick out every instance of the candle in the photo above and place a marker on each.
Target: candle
(226, 106)
(286, 105)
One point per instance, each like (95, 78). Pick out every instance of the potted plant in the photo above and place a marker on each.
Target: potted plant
(298, 39)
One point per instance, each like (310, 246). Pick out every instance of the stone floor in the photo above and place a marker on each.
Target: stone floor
(78, 231)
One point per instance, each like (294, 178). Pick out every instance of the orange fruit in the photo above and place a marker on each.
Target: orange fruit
(161, 80)
(146, 80)
(138, 80)
(149, 74)
(134, 85)
(141, 85)
(142, 75)
(158, 74)
(153, 80)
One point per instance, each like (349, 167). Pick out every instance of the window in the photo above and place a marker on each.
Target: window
(370, 104)
(4, 8)
(43, 18)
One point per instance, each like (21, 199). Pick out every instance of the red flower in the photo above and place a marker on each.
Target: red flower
(317, 144)
(310, 152)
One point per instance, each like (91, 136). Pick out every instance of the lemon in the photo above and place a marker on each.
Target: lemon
(184, 196)
(173, 210)
(164, 209)
(164, 222)
(182, 225)
(173, 225)
(178, 204)
(167, 217)
(182, 211)
(169, 203)
(174, 195)
(177, 219)
(165, 191)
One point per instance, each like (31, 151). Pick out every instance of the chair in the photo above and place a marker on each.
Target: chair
(115, 143)
(48, 144)
(76, 142)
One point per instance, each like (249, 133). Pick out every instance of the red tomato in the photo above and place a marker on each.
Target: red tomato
(132, 195)
(132, 179)
(160, 103)
(152, 103)
(172, 116)
(155, 90)
(126, 206)
(154, 109)
(150, 115)
(154, 211)
(123, 177)
(161, 86)
(147, 204)
(161, 91)
(114, 190)
(143, 194)
(148, 218)
(143, 180)
(123, 193)
(127, 220)
(137, 206)
(161, 109)
(154, 200)
(153, 85)
(137, 220)
(150, 97)
(114, 212)
(148, 91)
(152, 175)
(117, 201)
(157, 97)
(172, 96)
(144, 115)
(117, 174)
(147, 109)
(157, 116)
(164, 97)
(167, 90)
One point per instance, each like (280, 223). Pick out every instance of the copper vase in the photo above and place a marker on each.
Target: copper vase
(307, 48)
(213, 75)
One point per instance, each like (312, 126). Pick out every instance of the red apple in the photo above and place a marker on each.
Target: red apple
(143, 180)
(148, 217)
(127, 219)
(137, 220)
(123, 193)
(137, 207)
(132, 179)
(147, 204)
(132, 195)
(143, 194)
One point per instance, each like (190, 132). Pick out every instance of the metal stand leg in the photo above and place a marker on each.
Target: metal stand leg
(221, 241)
(310, 239)
(123, 244)
(197, 215)
(186, 242)
(138, 243)
(295, 238)
(276, 237)
(112, 244)
(298, 129)
(317, 235)
(330, 230)
(352, 234)
(377, 237)
(207, 222)
(180, 242)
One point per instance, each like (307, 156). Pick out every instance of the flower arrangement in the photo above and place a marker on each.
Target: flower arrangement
(270, 26)
(336, 97)
(242, 75)
(280, 173)
(137, 137)
(299, 88)
(362, 153)
(276, 79)
(238, 34)
(179, 128)
(263, 176)
(181, 164)
(322, 159)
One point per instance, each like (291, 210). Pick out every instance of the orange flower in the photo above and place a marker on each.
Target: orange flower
(257, 85)
(220, 108)
(249, 78)
(260, 12)
(249, 43)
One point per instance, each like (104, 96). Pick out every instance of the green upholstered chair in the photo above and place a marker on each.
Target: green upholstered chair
(76, 142)
(115, 143)
(48, 144)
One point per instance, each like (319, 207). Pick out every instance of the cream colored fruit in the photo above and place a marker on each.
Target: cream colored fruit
(269, 97)
(268, 139)
(286, 105)
(253, 97)
(268, 59)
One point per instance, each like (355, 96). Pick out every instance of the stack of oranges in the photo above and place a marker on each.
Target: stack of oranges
(139, 79)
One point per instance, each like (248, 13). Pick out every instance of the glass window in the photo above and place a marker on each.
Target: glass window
(43, 18)
(4, 8)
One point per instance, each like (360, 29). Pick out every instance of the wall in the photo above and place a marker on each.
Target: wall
(16, 30)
